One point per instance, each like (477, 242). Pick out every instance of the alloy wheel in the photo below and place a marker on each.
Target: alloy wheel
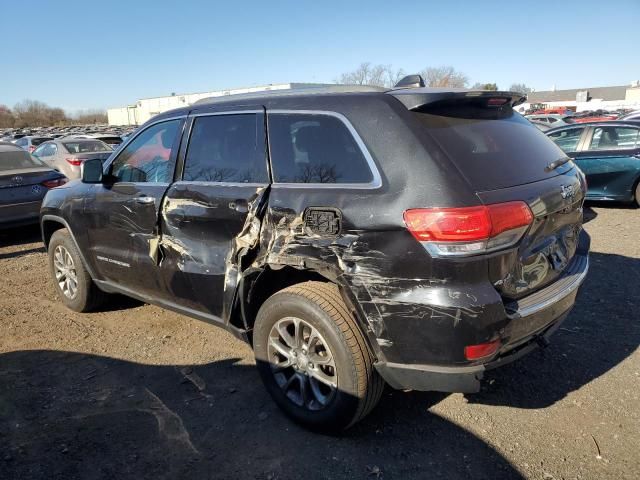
(65, 272)
(302, 363)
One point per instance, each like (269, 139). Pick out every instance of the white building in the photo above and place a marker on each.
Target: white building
(581, 99)
(145, 108)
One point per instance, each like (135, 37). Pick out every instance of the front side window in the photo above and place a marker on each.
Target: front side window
(226, 148)
(567, 140)
(614, 138)
(148, 157)
(315, 148)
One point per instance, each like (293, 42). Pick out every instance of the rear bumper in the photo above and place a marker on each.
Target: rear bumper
(532, 321)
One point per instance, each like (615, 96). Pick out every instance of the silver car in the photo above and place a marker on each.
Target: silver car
(68, 154)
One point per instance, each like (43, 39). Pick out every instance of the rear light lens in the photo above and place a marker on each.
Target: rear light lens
(468, 230)
(497, 101)
(31, 148)
(76, 162)
(482, 350)
(55, 183)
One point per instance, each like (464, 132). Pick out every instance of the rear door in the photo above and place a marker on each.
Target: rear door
(611, 161)
(209, 216)
(122, 214)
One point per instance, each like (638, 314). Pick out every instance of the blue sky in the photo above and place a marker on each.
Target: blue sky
(84, 54)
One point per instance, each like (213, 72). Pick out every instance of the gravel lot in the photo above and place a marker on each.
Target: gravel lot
(138, 392)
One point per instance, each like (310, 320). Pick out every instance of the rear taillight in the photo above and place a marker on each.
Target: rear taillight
(469, 230)
(76, 162)
(31, 148)
(55, 183)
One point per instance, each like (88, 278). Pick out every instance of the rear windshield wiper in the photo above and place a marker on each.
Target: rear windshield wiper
(556, 163)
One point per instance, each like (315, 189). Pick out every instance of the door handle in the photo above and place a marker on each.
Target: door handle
(145, 200)
(239, 206)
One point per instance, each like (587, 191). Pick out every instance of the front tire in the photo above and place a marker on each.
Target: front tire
(313, 358)
(70, 277)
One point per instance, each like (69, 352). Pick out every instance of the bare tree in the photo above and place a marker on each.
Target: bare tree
(90, 116)
(520, 87)
(376, 75)
(485, 86)
(444, 76)
(6, 117)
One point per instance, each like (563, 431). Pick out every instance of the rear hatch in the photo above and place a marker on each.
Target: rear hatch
(505, 158)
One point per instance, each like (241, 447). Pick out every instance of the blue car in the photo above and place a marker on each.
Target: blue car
(609, 155)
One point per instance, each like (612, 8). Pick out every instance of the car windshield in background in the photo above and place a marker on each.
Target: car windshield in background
(494, 149)
(86, 146)
(17, 160)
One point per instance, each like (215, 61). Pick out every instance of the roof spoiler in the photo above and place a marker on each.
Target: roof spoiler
(417, 98)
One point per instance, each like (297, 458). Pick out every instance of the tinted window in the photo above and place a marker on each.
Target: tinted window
(18, 159)
(39, 140)
(226, 148)
(308, 148)
(148, 157)
(614, 138)
(493, 148)
(86, 146)
(567, 140)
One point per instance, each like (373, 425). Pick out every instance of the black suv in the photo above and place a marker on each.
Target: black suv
(355, 236)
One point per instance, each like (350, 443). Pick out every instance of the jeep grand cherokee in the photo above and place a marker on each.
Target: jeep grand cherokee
(355, 236)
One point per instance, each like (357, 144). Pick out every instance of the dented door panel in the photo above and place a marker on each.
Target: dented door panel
(204, 228)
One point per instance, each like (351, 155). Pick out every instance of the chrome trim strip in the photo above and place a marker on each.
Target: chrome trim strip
(376, 182)
(575, 284)
(219, 184)
(230, 112)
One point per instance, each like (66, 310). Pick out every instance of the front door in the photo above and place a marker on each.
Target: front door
(210, 215)
(123, 212)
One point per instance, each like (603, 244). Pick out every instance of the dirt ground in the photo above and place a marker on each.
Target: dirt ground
(138, 392)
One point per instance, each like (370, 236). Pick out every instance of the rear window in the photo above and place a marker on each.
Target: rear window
(112, 140)
(37, 141)
(16, 160)
(315, 148)
(492, 148)
(86, 146)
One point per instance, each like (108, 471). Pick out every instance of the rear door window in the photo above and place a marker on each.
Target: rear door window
(228, 149)
(568, 139)
(315, 148)
(614, 138)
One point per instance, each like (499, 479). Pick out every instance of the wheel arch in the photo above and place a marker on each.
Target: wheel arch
(257, 286)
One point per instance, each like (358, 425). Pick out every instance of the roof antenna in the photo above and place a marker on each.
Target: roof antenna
(411, 81)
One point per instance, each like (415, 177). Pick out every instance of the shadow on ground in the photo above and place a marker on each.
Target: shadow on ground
(602, 330)
(68, 415)
(20, 236)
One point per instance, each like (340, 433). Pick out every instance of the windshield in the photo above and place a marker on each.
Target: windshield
(492, 148)
(17, 160)
(86, 146)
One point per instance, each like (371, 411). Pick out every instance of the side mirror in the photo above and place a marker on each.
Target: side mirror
(92, 171)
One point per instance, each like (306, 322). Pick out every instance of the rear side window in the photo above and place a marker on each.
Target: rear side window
(39, 140)
(614, 138)
(315, 148)
(492, 148)
(567, 140)
(226, 148)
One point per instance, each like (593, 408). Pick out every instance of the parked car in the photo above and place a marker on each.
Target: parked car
(609, 155)
(110, 139)
(542, 126)
(635, 115)
(68, 155)
(552, 120)
(24, 181)
(30, 143)
(416, 236)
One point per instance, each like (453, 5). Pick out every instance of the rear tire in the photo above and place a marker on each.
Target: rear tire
(638, 195)
(70, 277)
(333, 340)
